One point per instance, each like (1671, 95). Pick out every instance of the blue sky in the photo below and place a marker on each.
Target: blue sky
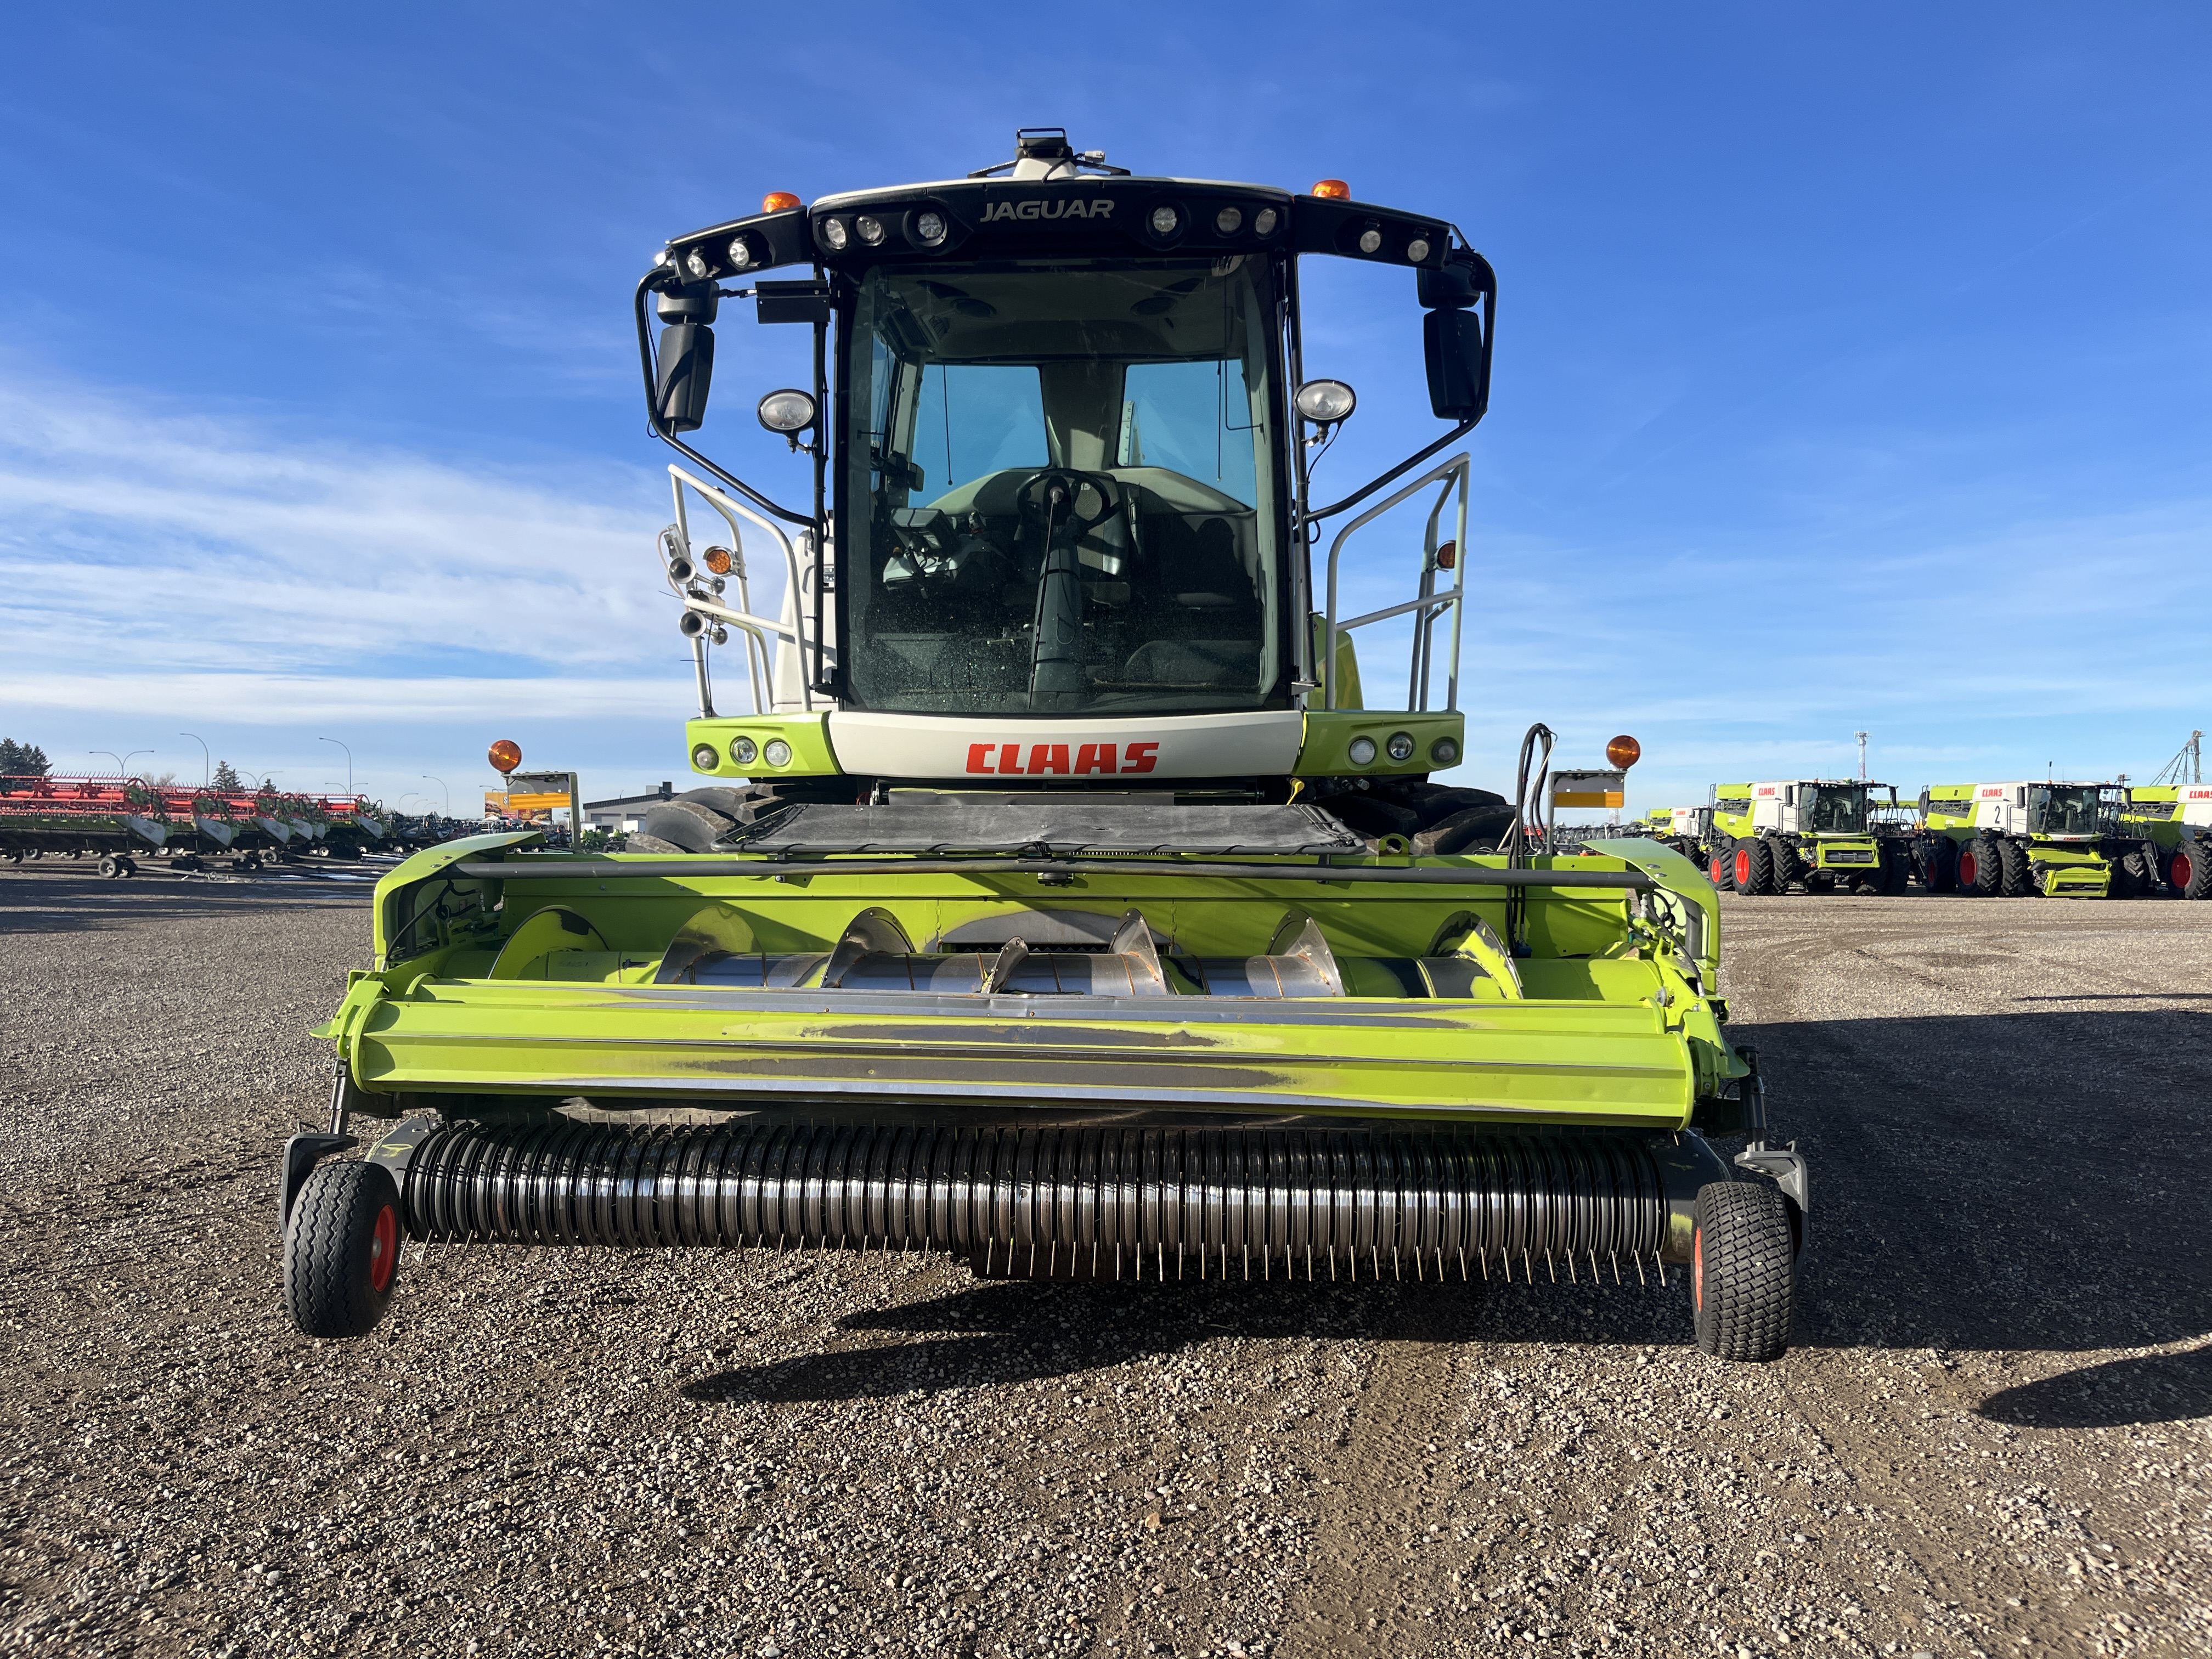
(1852, 373)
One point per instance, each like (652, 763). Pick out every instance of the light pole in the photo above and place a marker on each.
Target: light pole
(122, 762)
(207, 761)
(262, 781)
(441, 784)
(348, 761)
(1861, 738)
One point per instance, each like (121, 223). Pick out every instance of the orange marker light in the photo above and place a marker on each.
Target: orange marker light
(778, 201)
(1448, 555)
(716, 559)
(1624, 752)
(1334, 189)
(505, 754)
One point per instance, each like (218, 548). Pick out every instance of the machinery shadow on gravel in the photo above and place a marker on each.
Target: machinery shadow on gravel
(998, 1333)
(2001, 1182)
(2160, 1388)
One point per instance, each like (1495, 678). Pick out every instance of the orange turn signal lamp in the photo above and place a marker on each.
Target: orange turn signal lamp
(505, 754)
(1334, 190)
(1447, 555)
(716, 559)
(1624, 751)
(778, 201)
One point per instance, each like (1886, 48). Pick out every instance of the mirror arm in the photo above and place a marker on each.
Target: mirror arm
(1398, 471)
(646, 285)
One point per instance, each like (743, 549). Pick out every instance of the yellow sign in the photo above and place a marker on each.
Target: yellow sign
(534, 803)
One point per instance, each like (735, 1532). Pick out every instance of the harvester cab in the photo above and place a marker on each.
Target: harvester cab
(1057, 900)
(1820, 834)
(2015, 840)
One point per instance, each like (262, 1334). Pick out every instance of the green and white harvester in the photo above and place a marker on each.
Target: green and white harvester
(1055, 901)
(1814, 833)
(2020, 839)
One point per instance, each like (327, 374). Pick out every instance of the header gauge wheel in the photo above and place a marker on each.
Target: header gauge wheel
(342, 1250)
(1743, 1270)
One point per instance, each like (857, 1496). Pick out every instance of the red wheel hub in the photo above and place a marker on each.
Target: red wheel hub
(1968, 863)
(1743, 866)
(384, 1249)
(2183, 868)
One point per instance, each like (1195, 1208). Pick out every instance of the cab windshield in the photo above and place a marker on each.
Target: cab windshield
(2061, 810)
(1061, 484)
(1838, 810)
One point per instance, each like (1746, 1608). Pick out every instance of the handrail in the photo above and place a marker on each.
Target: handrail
(1431, 603)
(732, 510)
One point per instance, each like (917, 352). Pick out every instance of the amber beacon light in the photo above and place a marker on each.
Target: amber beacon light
(1624, 751)
(778, 201)
(1334, 189)
(505, 754)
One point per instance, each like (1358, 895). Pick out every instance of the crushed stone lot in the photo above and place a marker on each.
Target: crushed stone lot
(1991, 1438)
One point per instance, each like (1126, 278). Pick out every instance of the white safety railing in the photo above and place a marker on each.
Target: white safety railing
(1429, 607)
(759, 666)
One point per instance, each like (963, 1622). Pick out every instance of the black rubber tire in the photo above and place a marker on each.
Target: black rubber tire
(1720, 869)
(2131, 877)
(1475, 828)
(1788, 867)
(342, 1250)
(689, 825)
(2017, 879)
(1896, 870)
(1981, 868)
(2193, 865)
(1936, 859)
(1754, 867)
(110, 865)
(1743, 1270)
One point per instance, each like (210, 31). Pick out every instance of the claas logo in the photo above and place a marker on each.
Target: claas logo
(1067, 760)
(1995, 792)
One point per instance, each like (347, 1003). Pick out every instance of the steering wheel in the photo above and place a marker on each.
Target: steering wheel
(1055, 489)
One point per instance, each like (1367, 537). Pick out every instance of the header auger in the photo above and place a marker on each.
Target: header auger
(1055, 895)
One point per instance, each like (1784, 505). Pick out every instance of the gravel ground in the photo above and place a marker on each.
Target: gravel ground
(1992, 1439)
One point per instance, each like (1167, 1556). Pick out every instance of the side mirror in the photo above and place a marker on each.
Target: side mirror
(1457, 346)
(686, 370)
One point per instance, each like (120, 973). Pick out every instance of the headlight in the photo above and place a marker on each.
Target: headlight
(833, 235)
(870, 230)
(1400, 745)
(696, 265)
(1229, 220)
(1362, 752)
(741, 253)
(1418, 249)
(778, 752)
(1265, 221)
(929, 228)
(704, 759)
(1164, 221)
(1325, 401)
(743, 750)
(786, 411)
(1370, 240)
(1444, 751)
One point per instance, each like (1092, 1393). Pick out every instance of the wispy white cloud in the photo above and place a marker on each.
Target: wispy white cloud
(193, 561)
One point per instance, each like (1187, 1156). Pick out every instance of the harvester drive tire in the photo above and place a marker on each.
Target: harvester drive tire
(1980, 868)
(1743, 1270)
(2017, 879)
(342, 1250)
(1938, 861)
(1788, 866)
(1896, 871)
(1754, 867)
(1720, 867)
(2192, 872)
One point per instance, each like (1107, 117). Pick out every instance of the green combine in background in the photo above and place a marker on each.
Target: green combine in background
(2017, 840)
(1055, 900)
(2174, 821)
(1816, 833)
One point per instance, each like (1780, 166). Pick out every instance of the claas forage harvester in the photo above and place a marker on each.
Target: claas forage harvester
(1057, 902)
